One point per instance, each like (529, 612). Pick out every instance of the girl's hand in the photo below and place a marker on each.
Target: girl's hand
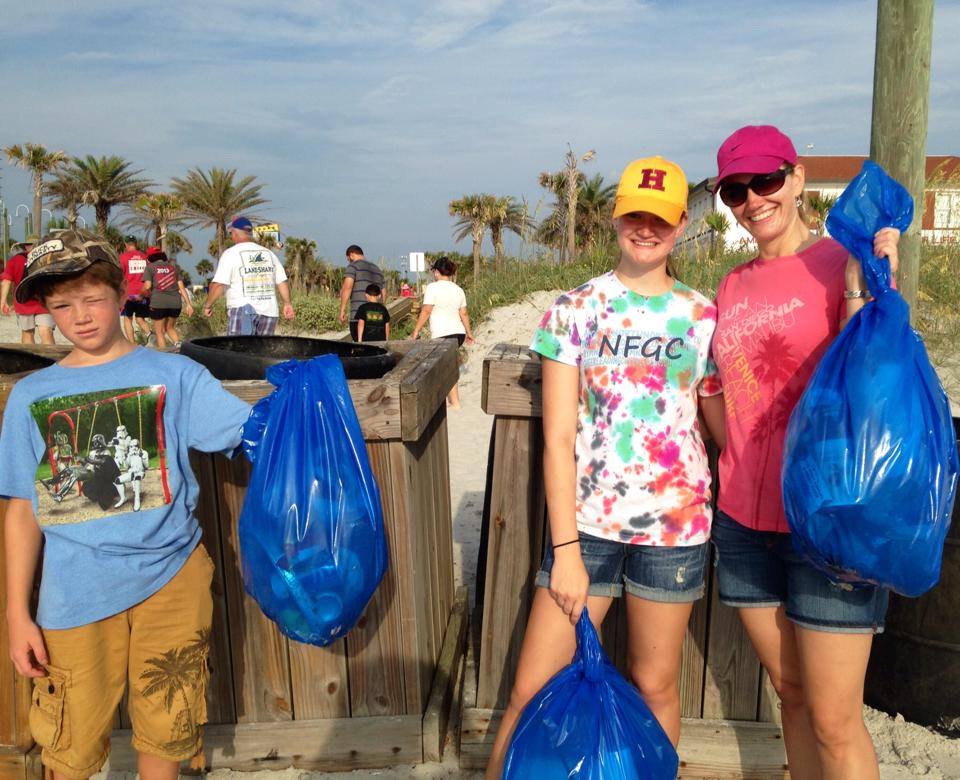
(569, 581)
(27, 650)
(189, 310)
(885, 244)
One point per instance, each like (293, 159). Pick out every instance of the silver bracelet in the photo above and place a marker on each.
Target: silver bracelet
(850, 294)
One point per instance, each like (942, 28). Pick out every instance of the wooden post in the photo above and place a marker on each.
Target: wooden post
(901, 96)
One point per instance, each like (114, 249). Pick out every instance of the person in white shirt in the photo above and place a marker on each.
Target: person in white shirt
(445, 304)
(251, 275)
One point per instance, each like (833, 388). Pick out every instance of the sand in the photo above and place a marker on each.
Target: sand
(905, 749)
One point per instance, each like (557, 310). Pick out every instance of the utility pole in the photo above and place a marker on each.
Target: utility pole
(901, 99)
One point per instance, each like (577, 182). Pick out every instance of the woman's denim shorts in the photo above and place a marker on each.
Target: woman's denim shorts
(668, 574)
(761, 569)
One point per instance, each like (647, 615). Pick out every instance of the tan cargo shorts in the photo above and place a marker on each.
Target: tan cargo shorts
(159, 648)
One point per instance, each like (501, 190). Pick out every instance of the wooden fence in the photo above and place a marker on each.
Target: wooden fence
(723, 689)
(380, 696)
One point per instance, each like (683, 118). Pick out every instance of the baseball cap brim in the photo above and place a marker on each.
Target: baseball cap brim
(24, 292)
(670, 212)
(755, 164)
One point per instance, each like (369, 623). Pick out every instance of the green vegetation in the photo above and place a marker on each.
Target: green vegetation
(213, 197)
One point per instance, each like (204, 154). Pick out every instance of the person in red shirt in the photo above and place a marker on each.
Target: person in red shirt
(777, 314)
(32, 317)
(134, 263)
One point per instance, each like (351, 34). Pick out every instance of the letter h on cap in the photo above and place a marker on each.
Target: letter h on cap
(652, 179)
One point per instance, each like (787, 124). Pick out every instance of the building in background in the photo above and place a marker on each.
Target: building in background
(826, 178)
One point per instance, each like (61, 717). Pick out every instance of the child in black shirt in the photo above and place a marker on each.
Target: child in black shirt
(373, 319)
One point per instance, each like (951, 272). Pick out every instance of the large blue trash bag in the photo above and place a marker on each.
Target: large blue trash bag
(312, 542)
(870, 459)
(589, 723)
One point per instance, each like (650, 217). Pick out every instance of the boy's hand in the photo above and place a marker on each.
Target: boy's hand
(5, 308)
(27, 650)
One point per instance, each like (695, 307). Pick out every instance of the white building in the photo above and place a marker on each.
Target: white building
(827, 176)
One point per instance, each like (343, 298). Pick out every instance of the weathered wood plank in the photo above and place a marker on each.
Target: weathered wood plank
(14, 689)
(692, 664)
(516, 531)
(513, 387)
(335, 744)
(261, 671)
(769, 710)
(424, 389)
(318, 681)
(13, 766)
(375, 647)
(709, 749)
(442, 701)
(221, 704)
(732, 679)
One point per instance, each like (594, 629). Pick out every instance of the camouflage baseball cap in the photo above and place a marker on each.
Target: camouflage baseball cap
(60, 254)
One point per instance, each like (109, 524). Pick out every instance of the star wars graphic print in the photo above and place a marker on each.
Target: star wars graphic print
(642, 472)
(105, 454)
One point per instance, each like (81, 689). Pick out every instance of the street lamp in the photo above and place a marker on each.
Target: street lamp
(26, 219)
(81, 219)
(48, 218)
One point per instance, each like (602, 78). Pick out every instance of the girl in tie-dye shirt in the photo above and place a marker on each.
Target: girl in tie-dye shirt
(626, 369)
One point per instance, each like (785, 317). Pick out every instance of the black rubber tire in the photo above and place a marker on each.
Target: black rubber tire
(247, 357)
(16, 361)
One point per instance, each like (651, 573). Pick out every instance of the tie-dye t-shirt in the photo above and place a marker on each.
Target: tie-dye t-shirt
(642, 473)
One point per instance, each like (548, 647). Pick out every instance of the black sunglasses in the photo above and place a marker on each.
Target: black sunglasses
(734, 193)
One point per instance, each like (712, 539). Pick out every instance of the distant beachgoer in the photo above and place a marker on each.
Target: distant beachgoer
(32, 317)
(359, 273)
(251, 276)
(373, 318)
(406, 291)
(134, 263)
(168, 296)
(445, 304)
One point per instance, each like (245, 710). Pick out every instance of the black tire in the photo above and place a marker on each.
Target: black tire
(247, 357)
(16, 361)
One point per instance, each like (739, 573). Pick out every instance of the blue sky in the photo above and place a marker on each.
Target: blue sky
(363, 120)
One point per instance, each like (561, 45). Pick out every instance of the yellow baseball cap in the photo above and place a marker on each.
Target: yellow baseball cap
(654, 185)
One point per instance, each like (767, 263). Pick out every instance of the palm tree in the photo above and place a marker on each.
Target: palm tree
(505, 213)
(159, 213)
(472, 212)
(300, 253)
(173, 673)
(820, 205)
(595, 211)
(36, 159)
(213, 197)
(572, 190)
(67, 192)
(205, 268)
(108, 182)
(718, 223)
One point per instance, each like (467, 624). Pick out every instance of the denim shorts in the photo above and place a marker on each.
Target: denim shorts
(667, 574)
(761, 569)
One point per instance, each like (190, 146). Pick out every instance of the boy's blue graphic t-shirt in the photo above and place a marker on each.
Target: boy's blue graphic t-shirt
(102, 452)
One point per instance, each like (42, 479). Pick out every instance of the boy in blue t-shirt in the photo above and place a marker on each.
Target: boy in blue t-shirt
(94, 460)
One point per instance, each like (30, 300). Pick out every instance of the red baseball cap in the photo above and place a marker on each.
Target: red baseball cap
(155, 251)
(754, 149)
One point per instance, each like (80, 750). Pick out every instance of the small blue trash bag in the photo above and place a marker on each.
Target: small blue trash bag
(312, 542)
(589, 723)
(870, 458)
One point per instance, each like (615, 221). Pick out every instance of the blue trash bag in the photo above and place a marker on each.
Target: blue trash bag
(312, 542)
(870, 458)
(589, 723)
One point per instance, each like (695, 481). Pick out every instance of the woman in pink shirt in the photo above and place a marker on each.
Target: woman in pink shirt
(777, 314)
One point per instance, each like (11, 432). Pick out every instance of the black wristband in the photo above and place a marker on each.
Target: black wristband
(572, 541)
